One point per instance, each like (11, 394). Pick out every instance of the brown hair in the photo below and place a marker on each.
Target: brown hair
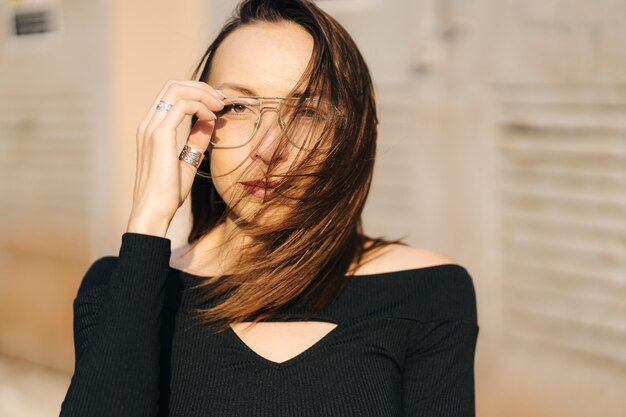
(300, 260)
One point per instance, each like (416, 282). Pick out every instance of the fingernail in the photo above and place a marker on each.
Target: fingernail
(221, 92)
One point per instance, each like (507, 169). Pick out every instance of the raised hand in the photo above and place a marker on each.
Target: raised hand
(162, 181)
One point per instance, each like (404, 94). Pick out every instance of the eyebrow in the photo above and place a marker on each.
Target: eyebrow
(246, 91)
(240, 88)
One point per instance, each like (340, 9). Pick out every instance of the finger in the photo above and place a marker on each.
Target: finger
(190, 83)
(200, 135)
(177, 91)
(199, 138)
(173, 118)
(204, 86)
(170, 85)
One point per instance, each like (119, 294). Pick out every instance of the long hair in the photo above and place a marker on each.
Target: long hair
(302, 259)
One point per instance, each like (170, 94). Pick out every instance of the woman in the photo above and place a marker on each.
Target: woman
(279, 305)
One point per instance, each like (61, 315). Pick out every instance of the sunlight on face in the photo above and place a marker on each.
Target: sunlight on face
(259, 59)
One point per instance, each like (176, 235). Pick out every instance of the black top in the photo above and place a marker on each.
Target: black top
(404, 346)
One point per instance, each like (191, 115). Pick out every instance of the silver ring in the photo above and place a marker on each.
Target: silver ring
(192, 156)
(164, 106)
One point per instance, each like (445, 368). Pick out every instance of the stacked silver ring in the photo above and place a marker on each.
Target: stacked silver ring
(164, 106)
(191, 156)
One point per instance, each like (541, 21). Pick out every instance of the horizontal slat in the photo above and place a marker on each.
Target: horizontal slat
(603, 281)
(574, 329)
(601, 354)
(569, 188)
(564, 157)
(610, 225)
(614, 201)
(570, 92)
(578, 307)
(586, 258)
(541, 141)
(563, 230)
(599, 301)
(563, 176)
(511, 167)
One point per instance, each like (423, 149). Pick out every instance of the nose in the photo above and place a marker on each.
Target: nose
(268, 137)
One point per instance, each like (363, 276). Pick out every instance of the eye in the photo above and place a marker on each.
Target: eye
(237, 108)
(308, 112)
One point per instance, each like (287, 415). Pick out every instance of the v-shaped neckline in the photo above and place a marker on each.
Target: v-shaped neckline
(288, 362)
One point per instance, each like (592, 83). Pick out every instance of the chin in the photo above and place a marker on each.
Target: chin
(261, 212)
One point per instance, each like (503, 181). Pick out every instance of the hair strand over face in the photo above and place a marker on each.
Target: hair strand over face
(300, 260)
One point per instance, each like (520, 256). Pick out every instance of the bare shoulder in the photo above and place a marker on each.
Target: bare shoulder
(396, 257)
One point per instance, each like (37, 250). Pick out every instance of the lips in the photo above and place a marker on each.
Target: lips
(261, 188)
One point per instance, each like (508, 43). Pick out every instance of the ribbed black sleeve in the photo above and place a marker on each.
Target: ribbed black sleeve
(442, 353)
(117, 337)
(438, 378)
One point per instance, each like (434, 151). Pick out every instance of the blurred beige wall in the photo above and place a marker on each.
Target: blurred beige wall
(70, 104)
(502, 144)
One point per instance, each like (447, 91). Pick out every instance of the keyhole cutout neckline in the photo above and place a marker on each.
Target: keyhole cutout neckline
(286, 342)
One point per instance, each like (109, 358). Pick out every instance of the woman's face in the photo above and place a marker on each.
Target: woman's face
(259, 59)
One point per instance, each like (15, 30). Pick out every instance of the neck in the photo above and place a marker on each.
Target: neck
(220, 248)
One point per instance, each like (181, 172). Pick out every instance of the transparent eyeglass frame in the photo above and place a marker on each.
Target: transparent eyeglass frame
(262, 107)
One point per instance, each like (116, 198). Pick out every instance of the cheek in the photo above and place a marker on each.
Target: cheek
(227, 166)
(227, 161)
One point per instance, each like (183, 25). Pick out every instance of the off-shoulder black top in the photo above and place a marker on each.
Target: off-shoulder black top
(404, 345)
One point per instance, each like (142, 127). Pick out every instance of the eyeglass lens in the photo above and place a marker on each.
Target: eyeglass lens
(306, 124)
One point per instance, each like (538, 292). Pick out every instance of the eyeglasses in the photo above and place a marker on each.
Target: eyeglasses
(307, 122)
